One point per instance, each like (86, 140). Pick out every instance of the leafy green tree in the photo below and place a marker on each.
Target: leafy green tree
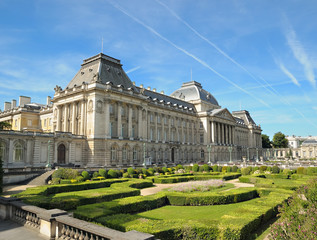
(279, 140)
(266, 142)
(4, 125)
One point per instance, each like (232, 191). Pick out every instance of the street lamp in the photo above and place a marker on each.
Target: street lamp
(48, 154)
(144, 146)
(209, 150)
(230, 150)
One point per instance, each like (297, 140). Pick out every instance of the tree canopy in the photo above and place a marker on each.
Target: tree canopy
(266, 142)
(279, 140)
(4, 125)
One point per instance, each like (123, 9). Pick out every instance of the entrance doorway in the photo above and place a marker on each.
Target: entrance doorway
(173, 154)
(61, 153)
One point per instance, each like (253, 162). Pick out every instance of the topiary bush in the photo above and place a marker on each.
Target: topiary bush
(195, 167)
(206, 167)
(85, 175)
(246, 171)
(263, 169)
(103, 173)
(164, 169)
(215, 168)
(275, 169)
(234, 168)
(300, 170)
(112, 173)
(95, 175)
(65, 173)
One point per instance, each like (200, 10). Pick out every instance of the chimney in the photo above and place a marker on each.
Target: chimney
(24, 100)
(13, 103)
(48, 100)
(154, 89)
(7, 106)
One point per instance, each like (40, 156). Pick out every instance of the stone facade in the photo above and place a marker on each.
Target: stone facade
(103, 119)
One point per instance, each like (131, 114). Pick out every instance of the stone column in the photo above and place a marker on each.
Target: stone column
(119, 127)
(155, 130)
(82, 118)
(230, 134)
(58, 123)
(65, 117)
(74, 118)
(212, 132)
(169, 129)
(130, 122)
(107, 119)
(218, 133)
(140, 125)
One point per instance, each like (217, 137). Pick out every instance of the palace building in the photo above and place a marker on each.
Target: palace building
(101, 118)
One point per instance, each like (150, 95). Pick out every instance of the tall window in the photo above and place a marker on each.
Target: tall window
(133, 131)
(151, 118)
(165, 120)
(18, 152)
(111, 129)
(201, 125)
(135, 154)
(165, 135)
(158, 119)
(201, 138)
(158, 135)
(2, 149)
(151, 134)
(113, 153)
(122, 130)
(124, 153)
(202, 153)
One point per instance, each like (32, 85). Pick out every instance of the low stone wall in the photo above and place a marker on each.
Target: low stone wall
(56, 224)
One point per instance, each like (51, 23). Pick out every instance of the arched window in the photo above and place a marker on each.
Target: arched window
(125, 153)
(2, 150)
(135, 154)
(113, 153)
(18, 152)
(202, 153)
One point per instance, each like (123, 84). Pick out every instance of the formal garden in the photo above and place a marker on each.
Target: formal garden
(201, 204)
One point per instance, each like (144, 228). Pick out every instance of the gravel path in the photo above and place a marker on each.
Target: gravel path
(159, 187)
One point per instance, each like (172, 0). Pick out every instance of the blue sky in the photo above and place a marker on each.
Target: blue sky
(255, 55)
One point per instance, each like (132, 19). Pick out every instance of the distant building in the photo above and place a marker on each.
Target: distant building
(103, 119)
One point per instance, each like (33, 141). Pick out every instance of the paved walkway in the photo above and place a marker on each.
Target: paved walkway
(13, 231)
(159, 187)
(13, 189)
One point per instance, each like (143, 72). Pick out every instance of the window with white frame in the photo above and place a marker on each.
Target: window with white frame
(18, 152)
(158, 135)
(201, 138)
(113, 153)
(133, 131)
(135, 154)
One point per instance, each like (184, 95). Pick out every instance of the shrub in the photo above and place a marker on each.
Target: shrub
(201, 168)
(215, 168)
(206, 167)
(246, 171)
(300, 170)
(275, 169)
(229, 169)
(287, 171)
(85, 175)
(224, 169)
(112, 173)
(219, 168)
(164, 169)
(95, 174)
(80, 179)
(234, 168)
(65, 173)
(269, 169)
(179, 166)
(103, 173)
(311, 170)
(263, 169)
(195, 167)
(131, 171)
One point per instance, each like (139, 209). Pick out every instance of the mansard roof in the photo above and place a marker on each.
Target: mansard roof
(191, 91)
(101, 68)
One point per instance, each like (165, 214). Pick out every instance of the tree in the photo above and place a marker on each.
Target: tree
(4, 125)
(266, 142)
(279, 140)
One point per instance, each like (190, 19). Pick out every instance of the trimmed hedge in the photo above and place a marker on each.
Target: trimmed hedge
(172, 179)
(71, 200)
(125, 205)
(211, 198)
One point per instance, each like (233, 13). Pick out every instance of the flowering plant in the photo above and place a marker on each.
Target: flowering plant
(201, 186)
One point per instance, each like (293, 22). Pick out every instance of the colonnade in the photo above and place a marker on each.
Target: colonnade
(222, 133)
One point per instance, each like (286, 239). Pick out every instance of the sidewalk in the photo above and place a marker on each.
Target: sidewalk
(13, 189)
(13, 231)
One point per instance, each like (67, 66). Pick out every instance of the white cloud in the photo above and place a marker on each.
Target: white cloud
(132, 69)
(289, 74)
(300, 54)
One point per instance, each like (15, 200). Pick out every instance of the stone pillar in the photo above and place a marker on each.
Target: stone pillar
(107, 119)
(82, 120)
(218, 133)
(130, 122)
(155, 124)
(140, 125)
(74, 118)
(65, 118)
(230, 134)
(212, 132)
(119, 127)
(58, 123)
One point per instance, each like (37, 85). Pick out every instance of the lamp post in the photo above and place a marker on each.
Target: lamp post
(144, 146)
(230, 150)
(209, 150)
(248, 155)
(48, 154)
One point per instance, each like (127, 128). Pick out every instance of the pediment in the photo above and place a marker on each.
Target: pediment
(223, 113)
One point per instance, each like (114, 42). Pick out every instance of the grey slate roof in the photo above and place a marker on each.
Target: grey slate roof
(310, 142)
(194, 91)
(162, 97)
(101, 68)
